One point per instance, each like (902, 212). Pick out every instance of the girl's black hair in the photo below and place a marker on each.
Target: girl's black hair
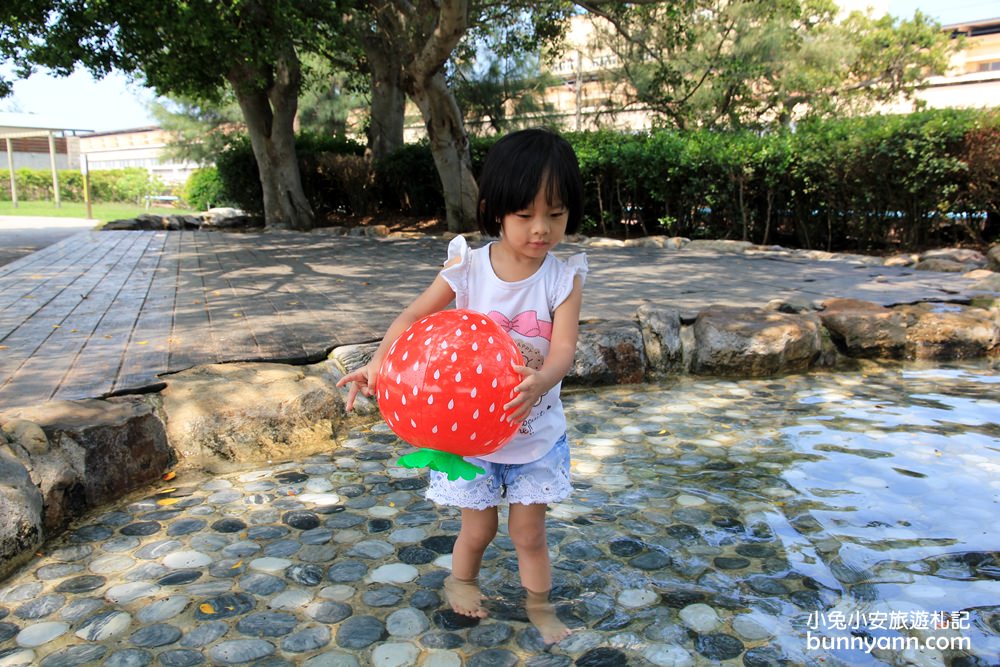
(517, 167)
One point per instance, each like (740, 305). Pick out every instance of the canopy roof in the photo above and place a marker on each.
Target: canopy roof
(22, 125)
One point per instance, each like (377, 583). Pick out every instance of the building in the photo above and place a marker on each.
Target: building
(139, 147)
(974, 79)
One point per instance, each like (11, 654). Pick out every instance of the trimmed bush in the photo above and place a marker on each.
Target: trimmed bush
(204, 189)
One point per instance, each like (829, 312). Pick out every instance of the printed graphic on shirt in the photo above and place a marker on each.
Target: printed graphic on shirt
(527, 325)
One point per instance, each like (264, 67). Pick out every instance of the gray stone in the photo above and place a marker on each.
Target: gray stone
(74, 655)
(608, 352)
(993, 258)
(250, 412)
(181, 657)
(157, 634)
(661, 338)
(329, 611)
(359, 632)
(98, 451)
(865, 329)
(308, 639)
(21, 531)
(407, 623)
(733, 341)
(130, 657)
(236, 651)
(267, 624)
(204, 633)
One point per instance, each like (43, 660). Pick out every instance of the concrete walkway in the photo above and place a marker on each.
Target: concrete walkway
(111, 312)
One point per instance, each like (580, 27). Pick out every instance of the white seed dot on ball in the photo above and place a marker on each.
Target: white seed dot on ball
(458, 332)
(451, 404)
(437, 375)
(403, 398)
(465, 317)
(475, 415)
(493, 406)
(393, 348)
(387, 394)
(430, 400)
(399, 378)
(434, 430)
(395, 415)
(410, 337)
(415, 390)
(503, 415)
(479, 369)
(474, 327)
(444, 345)
(458, 376)
(475, 391)
(427, 342)
(454, 357)
(482, 321)
(499, 357)
(472, 437)
(494, 383)
(475, 346)
(405, 355)
(388, 367)
(454, 427)
(413, 423)
(429, 327)
(416, 366)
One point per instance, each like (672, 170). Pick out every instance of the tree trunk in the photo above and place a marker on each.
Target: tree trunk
(269, 104)
(450, 147)
(385, 134)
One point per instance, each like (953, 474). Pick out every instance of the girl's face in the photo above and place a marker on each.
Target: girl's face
(536, 229)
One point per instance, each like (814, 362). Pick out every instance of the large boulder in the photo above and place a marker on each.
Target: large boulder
(972, 259)
(865, 329)
(993, 258)
(228, 218)
(718, 245)
(944, 331)
(250, 412)
(608, 352)
(661, 338)
(83, 454)
(21, 530)
(734, 341)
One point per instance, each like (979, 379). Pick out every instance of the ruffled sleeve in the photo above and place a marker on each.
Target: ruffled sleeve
(570, 269)
(457, 276)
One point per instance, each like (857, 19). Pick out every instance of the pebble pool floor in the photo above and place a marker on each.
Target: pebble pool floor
(713, 522)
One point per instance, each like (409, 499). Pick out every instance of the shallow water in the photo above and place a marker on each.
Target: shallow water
(752, 522)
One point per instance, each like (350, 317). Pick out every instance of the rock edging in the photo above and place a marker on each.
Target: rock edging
(64, 458)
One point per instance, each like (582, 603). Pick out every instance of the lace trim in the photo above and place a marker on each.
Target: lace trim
(526, 491)
(477, 496)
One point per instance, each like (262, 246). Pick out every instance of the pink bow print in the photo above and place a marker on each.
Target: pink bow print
(527, 324)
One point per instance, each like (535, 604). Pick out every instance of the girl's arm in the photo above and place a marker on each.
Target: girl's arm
(562, 349)
(433, 299)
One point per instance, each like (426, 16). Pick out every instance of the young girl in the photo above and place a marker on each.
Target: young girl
(530, 195)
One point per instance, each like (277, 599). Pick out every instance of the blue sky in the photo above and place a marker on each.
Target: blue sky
(114, 103)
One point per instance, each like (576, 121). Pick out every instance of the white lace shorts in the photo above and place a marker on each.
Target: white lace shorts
(537, 483)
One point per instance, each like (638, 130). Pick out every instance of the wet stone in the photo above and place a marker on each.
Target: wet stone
(755, 550)
(305, 574)
(157, 634)
(40, 607)
(651, 560)
(204, 634)
(282, 548)
(92, 533)
(80, 608)
(227, 568)
(306, 640)
(358, 632)
(442, 640)
(718, 646)
(413, 555)
(161, 515)
(683, 532)
(808, 600)
(549, 660)
(8, 630)
(237, 651)
(603, 657)
(351, 490)
(129, 657)
(146, 571)
(764, 656)
(316, 536)
(329, 611)
(766, 586)
(731, 563)
(179, 578)
(262, 585)
(81, 584)
(266, 532)
(379, 525)
(229, 525)
(386, 596)
(344, 520)
(185, 527)
(224, 606)
(181, 657)
(494, 657)
(267, 624)
(121, 544)
(163, 609)
(347, 571)
(301, 519)
(156, 550)
(581, 550)
(424, 599)
(440, 544)
(74, 655)
(241, 549)
(361, 503)
(141, 528)
(58, 571)
(447, 619)
(490, 635)
(623, 548)
(681, 599)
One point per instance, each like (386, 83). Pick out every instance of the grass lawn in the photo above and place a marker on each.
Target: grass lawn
(105, 212)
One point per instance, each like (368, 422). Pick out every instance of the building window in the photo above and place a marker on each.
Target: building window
(993, 66)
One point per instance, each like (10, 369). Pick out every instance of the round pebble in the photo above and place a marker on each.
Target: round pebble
(105, 625)
(359, 632)
(38, 634)
(237, 651)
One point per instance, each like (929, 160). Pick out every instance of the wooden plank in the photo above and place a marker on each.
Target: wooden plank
(41, 257)
(96, 366)
(234, 338)
(46, 346)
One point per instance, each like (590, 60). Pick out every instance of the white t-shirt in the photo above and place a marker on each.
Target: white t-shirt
(524, 309)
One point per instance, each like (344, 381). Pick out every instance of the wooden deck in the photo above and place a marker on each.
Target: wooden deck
(103, 313)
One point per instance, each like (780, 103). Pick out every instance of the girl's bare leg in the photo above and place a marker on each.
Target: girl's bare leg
(527, 530)
(479, 527)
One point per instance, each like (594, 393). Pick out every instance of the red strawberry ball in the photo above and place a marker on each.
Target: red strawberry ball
(445, 381)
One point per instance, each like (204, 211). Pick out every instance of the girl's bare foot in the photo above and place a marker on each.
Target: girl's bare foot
(542, 615)
(464, 597)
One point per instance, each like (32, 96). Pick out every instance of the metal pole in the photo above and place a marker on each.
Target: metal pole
(52, 162)
(86, 184)
(579, 90)
(10, 170)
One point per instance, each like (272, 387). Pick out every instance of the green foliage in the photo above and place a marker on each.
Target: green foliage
(204, 190)
(329, 184)
(112, 185)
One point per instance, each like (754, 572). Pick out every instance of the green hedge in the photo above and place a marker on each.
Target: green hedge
(111, 185)
(875, 183)
(204, 189)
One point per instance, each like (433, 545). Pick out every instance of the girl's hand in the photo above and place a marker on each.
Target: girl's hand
(529, 392)
(363, 380)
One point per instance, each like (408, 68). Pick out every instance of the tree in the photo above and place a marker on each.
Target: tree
(196, 49)
(737, 63)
